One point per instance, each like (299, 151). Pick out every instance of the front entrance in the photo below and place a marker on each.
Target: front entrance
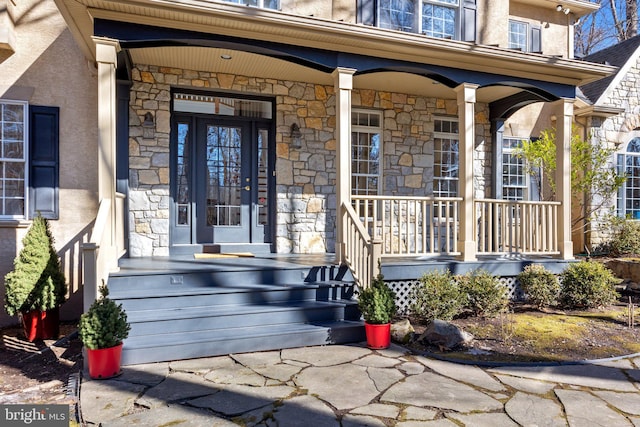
(222, 174)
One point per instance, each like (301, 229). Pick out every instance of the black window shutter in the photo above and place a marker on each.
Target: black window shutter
(43, 161)
(536, 46)
(468, 18)
(366, 12)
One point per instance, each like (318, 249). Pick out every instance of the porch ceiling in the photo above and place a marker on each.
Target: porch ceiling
(209, 59)
(266, 25)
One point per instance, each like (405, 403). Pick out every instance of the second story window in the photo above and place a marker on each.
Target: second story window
(518, 35)
(267, 4)
(439, 18)
(434, 18)
(449, 19)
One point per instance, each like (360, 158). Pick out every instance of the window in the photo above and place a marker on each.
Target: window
(13, 155)
(445, 164)
(514, 177)
(366, 138)
(518, 35)
(437, 18)
(267, 4)
(629, 196)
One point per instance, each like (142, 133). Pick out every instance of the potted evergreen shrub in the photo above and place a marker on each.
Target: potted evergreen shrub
(377, 305)
(36, 287)
(102, 329)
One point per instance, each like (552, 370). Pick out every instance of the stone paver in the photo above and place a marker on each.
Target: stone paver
(465, 373)
(529, 409)
(582, 375)
(484, 420)
(526, 384)
(626, 402)
(353, 386)
(584, 409)
(434, 390)
(328, 384)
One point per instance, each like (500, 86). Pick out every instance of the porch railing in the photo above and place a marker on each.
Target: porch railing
(523, 227)
(362, 253)
(411, 226)
(106, 244)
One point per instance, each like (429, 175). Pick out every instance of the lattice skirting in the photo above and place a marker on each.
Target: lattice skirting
(404, 288)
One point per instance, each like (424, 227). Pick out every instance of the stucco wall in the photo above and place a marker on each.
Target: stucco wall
(305, 177)
(48, 69)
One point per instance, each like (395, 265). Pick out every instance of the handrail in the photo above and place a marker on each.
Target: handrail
(516, 226)
(411, 226)
(362, 253)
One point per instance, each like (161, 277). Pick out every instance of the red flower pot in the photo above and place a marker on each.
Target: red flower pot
(104, 362)
(378, 336)
(41, 324)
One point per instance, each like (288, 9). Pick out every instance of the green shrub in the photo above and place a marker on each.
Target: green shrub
(485, 296)
(541, 286)
(587, 284)
(625, 237)
(105, 324)
(37, 281)
(377, 302)
(436, 296)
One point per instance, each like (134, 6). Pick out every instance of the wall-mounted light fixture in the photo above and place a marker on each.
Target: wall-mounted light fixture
(296, 136)
(148, 126)
(562, 9)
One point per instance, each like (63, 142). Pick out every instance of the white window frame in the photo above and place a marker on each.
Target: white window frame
(438, 152)
(23, 160)
(415, 22)
(523, 26)
(632, 183)
(359, 129)
(255, 3)
(524, 176)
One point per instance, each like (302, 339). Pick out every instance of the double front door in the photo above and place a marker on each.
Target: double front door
(222, 178)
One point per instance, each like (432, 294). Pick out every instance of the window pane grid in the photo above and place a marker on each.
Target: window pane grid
(446, 146)
(518, 35)
(365, 152)
(12, 159)
(514, 180)
(397, 15)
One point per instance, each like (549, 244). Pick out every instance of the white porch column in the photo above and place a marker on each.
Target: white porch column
(343, 83)
(466, 103)
(106, 57)
(564, 114)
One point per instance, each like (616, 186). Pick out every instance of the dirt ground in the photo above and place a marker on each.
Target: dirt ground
(39, 372)
(552, 336)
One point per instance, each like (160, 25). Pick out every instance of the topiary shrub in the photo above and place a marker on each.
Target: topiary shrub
(105, 324)
(540, 286)
(37, 281)
(587, 284)
(436, 296)
(377, 302)
(484, 294)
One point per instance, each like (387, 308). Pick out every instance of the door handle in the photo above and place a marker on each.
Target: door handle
(248, 188)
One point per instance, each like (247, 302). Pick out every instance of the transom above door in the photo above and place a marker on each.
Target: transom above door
(222, 175)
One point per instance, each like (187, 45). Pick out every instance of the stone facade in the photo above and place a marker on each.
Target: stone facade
(615, 132)
(305, 176)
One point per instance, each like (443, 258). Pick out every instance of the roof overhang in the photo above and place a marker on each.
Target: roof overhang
(578, 8)
(268, 25)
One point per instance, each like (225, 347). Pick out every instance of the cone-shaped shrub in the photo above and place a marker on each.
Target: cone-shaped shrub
(377, 302)
(37, 281)
(105, 324)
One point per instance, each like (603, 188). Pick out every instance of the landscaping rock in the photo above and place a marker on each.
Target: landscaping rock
(445, 335)
(402, 331)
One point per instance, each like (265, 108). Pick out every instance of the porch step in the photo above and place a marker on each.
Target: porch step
(199, 309)
(239, 340)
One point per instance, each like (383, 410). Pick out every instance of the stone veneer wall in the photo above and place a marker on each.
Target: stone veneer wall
(305, 177)
(615, 132)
